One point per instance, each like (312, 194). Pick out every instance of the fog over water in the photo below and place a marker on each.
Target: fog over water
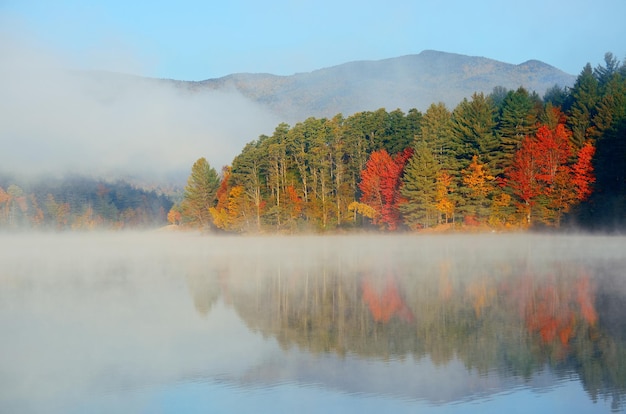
(151, 322)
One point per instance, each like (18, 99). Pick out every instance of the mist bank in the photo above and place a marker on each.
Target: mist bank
(103, 124)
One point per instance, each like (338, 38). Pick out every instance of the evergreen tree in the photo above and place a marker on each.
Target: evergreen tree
(517, 120)
(604, 73)
(611, 106)
(584, 98)
(200, 194)
(607, 205)
(277, 171)
(556, 96)
(473, 124)
(247, 172)
(436, 132)
(419, 188)
(497, 96)
(399, 134)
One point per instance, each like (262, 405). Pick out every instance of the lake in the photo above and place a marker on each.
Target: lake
(168, 322)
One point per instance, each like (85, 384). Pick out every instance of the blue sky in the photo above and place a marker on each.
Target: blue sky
(195, 40)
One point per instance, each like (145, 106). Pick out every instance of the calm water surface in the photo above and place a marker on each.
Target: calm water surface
(183, 323)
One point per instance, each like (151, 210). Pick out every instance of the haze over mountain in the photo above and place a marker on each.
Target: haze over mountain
(111, 124)
(412, 81)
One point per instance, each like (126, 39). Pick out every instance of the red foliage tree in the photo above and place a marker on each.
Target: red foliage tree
(294, 203)
(583, 177)
(542, 170)
(553, 150)
(380, 185)
(522, 176)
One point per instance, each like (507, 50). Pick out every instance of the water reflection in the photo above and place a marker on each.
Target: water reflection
(500, 311)
(471, 321)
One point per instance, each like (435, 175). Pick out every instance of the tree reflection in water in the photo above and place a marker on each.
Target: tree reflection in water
(514, 314)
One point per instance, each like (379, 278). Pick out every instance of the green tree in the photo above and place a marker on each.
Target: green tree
(246, 172)
(611, 106)
(497, 96)
(555, 95)
(343, 193)
(321, 169)
(276, 146)
(605, 73)
(584, 97)
(517, 120)
(419, 188)
(401, 130)
(473, 124)
(200, 194)
(436, 131)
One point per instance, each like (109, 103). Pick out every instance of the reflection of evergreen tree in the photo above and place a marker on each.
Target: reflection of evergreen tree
(204, 289)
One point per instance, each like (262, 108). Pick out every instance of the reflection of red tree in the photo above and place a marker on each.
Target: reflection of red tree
(551, 315)
(553, 310)
(383, 305)
(584, 296)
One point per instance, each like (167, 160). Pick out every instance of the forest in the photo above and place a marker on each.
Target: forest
(507, 160)
(79, 203)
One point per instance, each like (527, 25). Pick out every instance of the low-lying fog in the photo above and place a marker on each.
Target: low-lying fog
(124, 316)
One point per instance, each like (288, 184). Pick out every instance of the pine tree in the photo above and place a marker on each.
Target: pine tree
(473, 124)
(584, 98)
(604, 73)
(200, 194)
(419, 188)
(436, 131)
(517, 120)
(247, 172)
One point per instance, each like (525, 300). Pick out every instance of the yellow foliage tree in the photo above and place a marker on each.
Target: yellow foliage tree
(174, 216)
(477, 179)
(478, 185)
(363, 209)
(231, 214)
(444, 204)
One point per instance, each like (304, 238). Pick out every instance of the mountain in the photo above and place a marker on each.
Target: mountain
(412, 81)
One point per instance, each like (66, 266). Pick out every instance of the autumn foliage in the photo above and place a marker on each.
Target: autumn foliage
(543, 175)
(380, 183)
(582, 172)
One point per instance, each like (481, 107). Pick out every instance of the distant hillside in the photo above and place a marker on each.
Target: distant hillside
(413, 81)
(79, 203)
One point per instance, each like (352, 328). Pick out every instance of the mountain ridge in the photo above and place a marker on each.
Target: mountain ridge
(404, 82)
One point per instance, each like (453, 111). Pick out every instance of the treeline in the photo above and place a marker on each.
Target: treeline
(80, 204)
(510, 159)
